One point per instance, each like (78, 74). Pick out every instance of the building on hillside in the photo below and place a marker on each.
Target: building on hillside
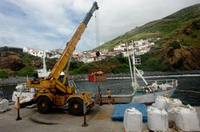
(140, 47)
(55, 53)
(88, 57)
(31, 51)
(40, 53)
(77, 56)
(120, 47)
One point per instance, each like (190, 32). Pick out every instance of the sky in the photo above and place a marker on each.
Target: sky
(50, 24)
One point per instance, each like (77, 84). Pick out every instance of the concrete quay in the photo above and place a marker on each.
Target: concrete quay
(98, 119)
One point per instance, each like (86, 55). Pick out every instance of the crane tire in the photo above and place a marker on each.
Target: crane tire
(44, 105)
(75, 106)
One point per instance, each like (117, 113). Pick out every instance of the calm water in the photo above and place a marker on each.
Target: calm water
(188, 90)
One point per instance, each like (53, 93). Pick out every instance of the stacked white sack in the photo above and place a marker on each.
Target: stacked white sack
(157, 119)
(132, 120)
(4, 105)
(161, 102)
(175, 103)
(185, 118)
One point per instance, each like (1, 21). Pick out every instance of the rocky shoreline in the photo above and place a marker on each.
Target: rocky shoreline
(17, 80)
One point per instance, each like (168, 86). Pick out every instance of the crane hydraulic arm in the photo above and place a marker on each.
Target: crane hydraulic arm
(54, 90)
(65, 57)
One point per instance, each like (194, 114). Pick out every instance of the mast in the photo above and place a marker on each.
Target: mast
(135, 84)
(131, 70)
(135, 70)
(44, 63)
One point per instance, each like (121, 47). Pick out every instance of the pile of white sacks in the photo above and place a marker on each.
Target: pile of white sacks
(165, 109)
(160, 113)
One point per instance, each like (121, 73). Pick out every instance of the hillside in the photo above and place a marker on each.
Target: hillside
(178, 46)
(20, 64)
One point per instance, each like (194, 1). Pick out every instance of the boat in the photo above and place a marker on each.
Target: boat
(144, 93)
(24, 93)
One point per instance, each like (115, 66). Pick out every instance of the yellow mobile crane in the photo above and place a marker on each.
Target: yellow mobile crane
(54, 91)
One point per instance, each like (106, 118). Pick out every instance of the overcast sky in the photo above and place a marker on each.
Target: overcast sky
(49, 24)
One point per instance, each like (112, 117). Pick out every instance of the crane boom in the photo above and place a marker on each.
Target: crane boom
(54, 91)
(70, 46)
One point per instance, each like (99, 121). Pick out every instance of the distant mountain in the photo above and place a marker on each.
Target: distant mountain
(177, 39)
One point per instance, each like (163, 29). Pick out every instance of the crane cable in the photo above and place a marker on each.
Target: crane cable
(97, 34)
(97, 27)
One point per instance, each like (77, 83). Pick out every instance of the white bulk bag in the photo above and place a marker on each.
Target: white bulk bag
(185, 118)
(132, 120)
(4, 105)
(175, 103)
(157, 119)
(162, 102)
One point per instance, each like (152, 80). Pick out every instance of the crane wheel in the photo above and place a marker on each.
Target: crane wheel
(76, 106)
(44, 104)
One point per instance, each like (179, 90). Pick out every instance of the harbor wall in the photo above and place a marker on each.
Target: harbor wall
(146, 74)
(17, 80)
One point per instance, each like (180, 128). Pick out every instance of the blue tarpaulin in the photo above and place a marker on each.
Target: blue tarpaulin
(118, 113)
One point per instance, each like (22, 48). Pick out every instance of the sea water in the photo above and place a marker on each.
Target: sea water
(188, 90)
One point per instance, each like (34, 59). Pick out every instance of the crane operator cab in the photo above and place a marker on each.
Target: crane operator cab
(63, 79)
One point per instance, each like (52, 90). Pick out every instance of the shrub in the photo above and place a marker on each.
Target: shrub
(112, 60)
(175, 45)
(3, 74)
(26, 58)
(124, 68)
(194, 36)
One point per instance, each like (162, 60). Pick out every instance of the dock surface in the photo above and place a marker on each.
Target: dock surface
(98, 119)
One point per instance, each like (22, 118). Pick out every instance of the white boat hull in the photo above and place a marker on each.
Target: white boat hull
(150, 97)
(144, 98)
(23, 96)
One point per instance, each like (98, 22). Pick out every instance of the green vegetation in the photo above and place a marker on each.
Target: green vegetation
(153, 64)
(27, 71)
(21, 64)
(179, 41)
(3, 74)
(26, 58)
(168, 27)
(118, 64)
(175, 45)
